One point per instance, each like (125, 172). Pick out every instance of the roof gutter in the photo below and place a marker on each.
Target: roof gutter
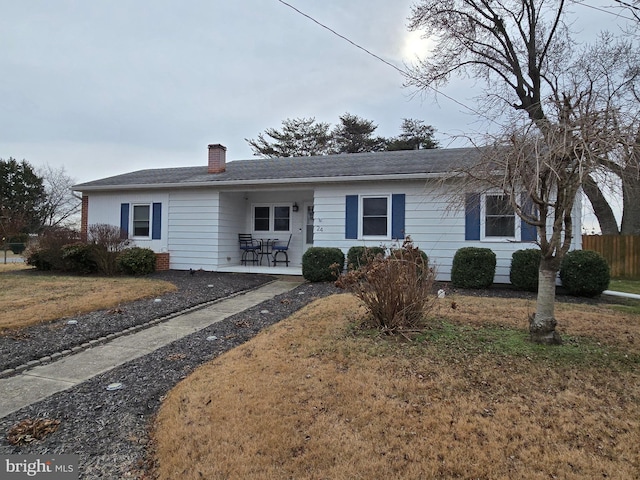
(272, 181)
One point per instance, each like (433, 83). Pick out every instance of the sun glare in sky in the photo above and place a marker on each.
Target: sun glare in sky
(414, 46)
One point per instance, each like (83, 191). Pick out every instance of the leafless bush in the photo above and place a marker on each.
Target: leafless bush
(109, 241)
(396, 290)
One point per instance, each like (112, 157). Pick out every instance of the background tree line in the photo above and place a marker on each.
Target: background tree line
(33, 200)
(301, 137)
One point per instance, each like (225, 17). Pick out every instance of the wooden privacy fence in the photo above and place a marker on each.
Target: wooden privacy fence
(622, 252)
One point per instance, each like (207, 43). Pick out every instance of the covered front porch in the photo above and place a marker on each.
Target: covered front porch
(283, 217)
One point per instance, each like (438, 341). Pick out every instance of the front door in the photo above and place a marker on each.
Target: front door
(308, 226)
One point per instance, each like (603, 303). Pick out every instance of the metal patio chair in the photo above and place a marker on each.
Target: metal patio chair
(248, 245)
(278, 249)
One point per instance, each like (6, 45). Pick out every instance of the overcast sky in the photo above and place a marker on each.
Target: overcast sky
(105, 87)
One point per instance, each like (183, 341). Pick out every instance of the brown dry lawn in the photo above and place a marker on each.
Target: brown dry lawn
(29, 298)
(313, 397)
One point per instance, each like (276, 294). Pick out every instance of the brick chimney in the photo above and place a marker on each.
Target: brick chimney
(217, 158)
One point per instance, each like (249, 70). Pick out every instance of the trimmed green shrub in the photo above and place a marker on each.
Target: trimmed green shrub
(43, 259)
(584, 273)
(524, 269)
(322, 264)
(473, 267)
(79, 258)
(359, 256)
(137, 261)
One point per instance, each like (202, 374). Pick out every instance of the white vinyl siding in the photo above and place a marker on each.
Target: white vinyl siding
(105, 208)
(200, 227)
(193, 233)
(434, 219)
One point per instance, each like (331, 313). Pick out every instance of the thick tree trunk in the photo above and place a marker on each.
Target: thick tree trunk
(542, 325)
(601, 207)
(630, 224)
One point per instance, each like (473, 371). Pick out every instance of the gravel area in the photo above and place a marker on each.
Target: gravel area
(109, 429)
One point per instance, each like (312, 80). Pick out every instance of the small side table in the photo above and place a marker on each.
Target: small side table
(266, 249)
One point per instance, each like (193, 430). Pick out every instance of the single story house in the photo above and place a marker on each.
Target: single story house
(192, 216)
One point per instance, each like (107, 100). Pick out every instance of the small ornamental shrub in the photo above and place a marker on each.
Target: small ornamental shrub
(43, 259)
(359, 256)
(46, 252)
(109, 241)
(524, 269)
(79, 258)
(584, 273)
(396, 290)
(473, 267)
(137, 261)
(322, 264)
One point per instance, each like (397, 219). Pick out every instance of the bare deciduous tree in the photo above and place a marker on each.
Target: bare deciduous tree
(541, 176)
(610, 71)
(521, 49)
(62, 206)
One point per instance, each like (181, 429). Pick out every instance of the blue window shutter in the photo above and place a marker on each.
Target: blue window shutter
(351, 220)
(124, 219)
(156, 226)
(528, 233)
(472, 216)
(397, 216)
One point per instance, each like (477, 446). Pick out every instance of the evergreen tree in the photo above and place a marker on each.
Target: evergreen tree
(299, 137)
(22, 195)
(355, 135)
(415, 136)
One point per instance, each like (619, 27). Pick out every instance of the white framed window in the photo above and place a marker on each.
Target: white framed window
(271, 218)
(261, 218)
(375, 219)
(141, 221)
(282, 218)
(498, 218)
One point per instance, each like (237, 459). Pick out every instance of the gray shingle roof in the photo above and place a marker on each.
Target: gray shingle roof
(298, 169)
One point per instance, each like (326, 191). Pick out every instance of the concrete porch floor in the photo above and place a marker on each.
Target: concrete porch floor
(264, 269)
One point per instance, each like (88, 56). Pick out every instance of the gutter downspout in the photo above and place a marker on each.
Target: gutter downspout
(621, 294)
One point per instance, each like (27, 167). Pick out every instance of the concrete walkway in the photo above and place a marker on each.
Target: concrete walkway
(42, 381)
